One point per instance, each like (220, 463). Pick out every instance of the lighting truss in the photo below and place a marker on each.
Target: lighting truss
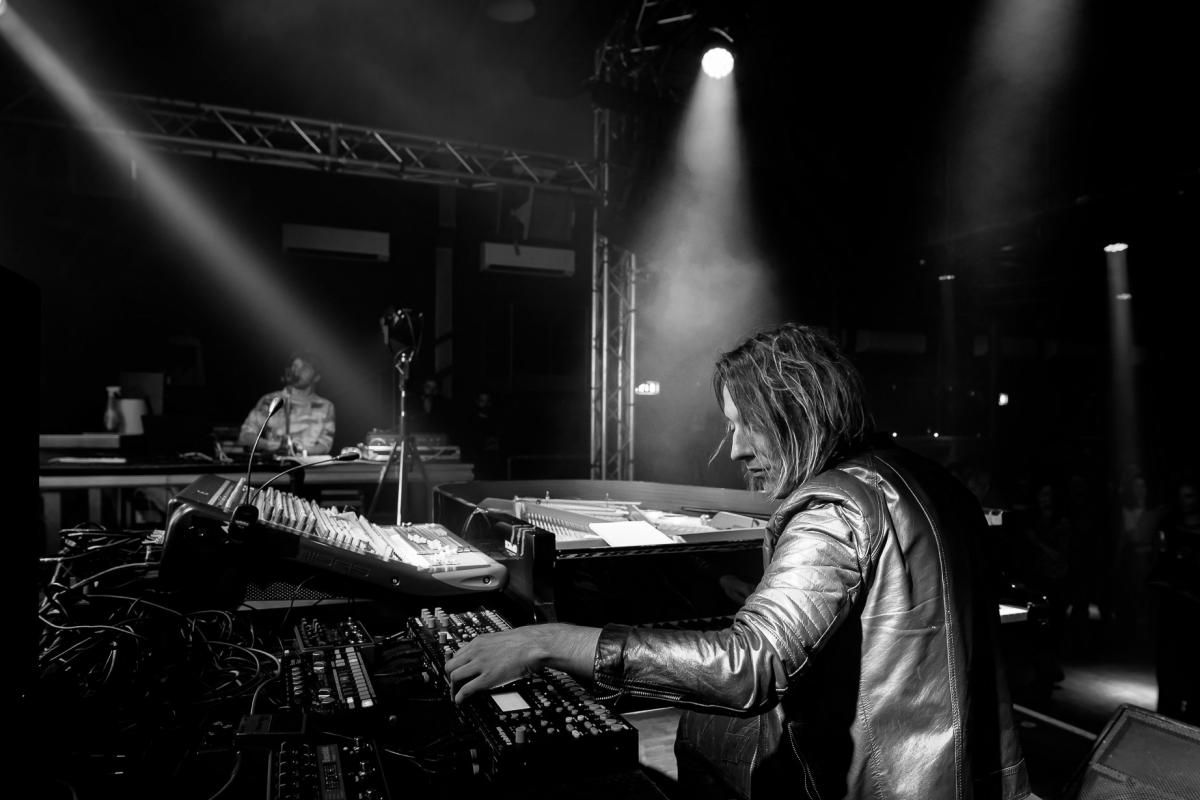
(258, 137)
(634, 56)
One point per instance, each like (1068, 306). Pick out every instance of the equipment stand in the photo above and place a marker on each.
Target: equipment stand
(403, 361)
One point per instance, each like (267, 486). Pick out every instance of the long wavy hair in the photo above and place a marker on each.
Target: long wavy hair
(805, 399)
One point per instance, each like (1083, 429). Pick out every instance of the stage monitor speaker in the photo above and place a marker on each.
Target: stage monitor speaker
(1140, 756)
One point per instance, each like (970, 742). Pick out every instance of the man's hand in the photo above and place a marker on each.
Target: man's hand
(494, 659)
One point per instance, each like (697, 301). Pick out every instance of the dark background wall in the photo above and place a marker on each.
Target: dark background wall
(121, 292)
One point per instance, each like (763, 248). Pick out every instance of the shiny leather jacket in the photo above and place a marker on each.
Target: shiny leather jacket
(864, 664)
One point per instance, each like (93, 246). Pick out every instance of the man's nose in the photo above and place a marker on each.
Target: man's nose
(740, 449)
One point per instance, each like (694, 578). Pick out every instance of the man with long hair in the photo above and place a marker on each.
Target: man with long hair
(864, 662)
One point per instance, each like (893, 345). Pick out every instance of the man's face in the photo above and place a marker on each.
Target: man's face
(746, 445)
(303, 374)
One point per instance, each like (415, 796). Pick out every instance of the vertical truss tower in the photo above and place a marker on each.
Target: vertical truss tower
(630, 62)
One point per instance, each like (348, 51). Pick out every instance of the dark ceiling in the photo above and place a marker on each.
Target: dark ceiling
(874, 119)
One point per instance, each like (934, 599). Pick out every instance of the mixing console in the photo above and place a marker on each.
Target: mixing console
(533, 726)
(421, 559)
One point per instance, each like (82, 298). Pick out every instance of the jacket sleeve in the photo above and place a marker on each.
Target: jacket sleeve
(806, 592)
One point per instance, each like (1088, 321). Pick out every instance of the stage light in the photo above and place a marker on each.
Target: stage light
(1124, 296)
(1116, 248)
(717, 63)
(945, 277)
(1003, 399)
(894, 434)
(935, 434)
(647, 388)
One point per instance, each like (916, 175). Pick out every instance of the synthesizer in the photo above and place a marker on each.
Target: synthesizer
(345, 770)
(419, 559)
(532, 727)
(328, 684)
(314, 635)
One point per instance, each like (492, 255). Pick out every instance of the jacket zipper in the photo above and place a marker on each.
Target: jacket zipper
(808, 776)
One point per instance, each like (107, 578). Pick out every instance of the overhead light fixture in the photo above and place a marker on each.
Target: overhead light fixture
(510, 11)
(717, 61)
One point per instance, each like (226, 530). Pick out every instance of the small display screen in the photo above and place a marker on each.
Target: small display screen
(510, 701)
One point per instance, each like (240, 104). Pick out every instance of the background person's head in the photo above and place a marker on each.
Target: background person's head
(302, 370)
(801, 401)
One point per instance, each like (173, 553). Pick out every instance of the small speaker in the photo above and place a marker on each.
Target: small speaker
(1140, 756)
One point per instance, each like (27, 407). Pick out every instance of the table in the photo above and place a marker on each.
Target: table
(96, 479)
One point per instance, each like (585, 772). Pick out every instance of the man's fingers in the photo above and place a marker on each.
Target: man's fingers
(477, 684)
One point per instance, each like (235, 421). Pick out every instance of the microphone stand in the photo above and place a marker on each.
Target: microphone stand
(403, 361)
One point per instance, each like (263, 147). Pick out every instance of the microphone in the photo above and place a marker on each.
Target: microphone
(246, 514)
(276, 404)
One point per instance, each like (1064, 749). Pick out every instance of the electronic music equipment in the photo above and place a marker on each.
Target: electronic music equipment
(328, 684)
(344, 770)
(314, 635)
(420, 559)
(272, 409)
(534, 726)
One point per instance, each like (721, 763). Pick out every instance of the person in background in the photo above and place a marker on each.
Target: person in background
(1136, 551)
(429, 412)
(864, 663)
(306, 423)
(1090, 554)
(1047, 540)
(482, 439)
(1176, 577)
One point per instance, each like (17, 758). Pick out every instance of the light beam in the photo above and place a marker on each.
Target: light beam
(277, 310)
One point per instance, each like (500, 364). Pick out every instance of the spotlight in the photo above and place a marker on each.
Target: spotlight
(647, 388)
(717, 62)
(1116, 248)
(1124, 296)
(1003, 401)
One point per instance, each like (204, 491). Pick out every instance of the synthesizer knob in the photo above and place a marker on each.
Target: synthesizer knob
(520, 734)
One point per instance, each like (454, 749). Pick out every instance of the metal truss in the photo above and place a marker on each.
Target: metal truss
(198, 129)
(613, 317)
(633, 57)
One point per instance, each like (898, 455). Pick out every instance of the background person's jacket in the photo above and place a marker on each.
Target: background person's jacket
(865, 664)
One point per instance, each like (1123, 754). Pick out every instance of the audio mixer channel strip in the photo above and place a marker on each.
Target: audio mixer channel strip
(419, 559)
(537, 726)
